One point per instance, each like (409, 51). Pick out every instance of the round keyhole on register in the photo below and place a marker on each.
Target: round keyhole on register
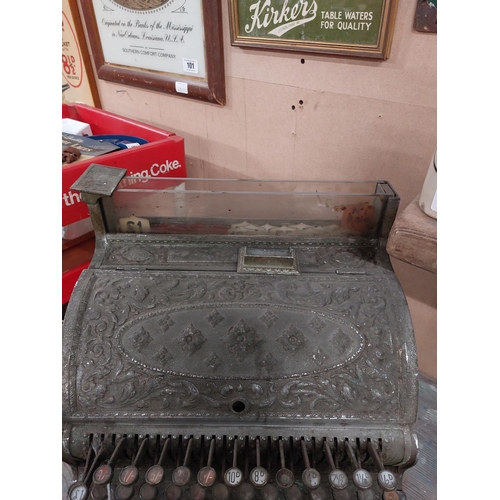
(238, 406)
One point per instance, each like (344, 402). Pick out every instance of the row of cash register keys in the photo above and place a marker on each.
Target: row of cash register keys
(103, 480)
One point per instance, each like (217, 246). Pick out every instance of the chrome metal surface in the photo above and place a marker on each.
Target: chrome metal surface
(241, 366)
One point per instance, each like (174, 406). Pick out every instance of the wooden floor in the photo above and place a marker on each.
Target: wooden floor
(420, 482)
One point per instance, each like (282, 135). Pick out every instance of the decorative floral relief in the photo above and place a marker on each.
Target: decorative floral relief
(136, 254)
(190, 339)
(268, 318)
(107, 380)
(235, 333)
(215, 318)
(319, 356)
(241, 340)
(213, 361)
(317, 325)
(166, 322)
(163, 356)
(141, 339)
(292, 339)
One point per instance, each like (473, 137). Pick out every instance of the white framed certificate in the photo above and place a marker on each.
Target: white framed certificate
(159, 45)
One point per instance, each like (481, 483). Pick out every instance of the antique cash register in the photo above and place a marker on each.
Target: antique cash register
(238, 339)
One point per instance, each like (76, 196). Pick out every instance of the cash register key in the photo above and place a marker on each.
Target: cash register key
(124, 492)
(269, 492)
(78, 491)
(386, 480)
(148, 492)
(154, 475)
(129, 476)
(181, 475)
(99, 492)
(338, 479)
(103, 474)
(362, 479)
(258, 476)
(293, 493)
(220, 492)
(366, 495)
(245, 492)
(233, 477)
(284, 477)
(318, 494)
(341, 494)
(311, 478)
(207, 475)
(196, 492)
(173, 492)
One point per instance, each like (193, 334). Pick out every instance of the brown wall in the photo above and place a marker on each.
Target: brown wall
(359, 120)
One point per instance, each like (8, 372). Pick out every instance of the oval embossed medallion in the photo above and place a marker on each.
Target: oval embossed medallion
(240, 341)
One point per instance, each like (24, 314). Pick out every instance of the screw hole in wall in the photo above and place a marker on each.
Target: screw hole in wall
(301, 102)
(293, 106)
(302, 61)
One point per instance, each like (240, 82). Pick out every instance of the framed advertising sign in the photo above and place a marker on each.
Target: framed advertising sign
(360, 28)
(77, 74)
(172, 46)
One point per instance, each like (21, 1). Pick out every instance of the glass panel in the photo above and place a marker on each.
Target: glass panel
(248, 207)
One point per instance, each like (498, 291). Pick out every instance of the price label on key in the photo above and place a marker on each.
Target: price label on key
(362, 479)
(129, 475)
(338, 479)
(154, 475)
(259, 477)
(103, 474)
(233, 477)
(78, 491)
(386, 480)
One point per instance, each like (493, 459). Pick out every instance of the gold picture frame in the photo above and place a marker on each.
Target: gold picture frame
(360, 28)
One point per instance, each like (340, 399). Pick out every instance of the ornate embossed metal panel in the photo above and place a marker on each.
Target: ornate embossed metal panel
(262, 317)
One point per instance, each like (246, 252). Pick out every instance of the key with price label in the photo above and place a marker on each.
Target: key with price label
(130, 474)
(182, 474)
(361, 478)
(310, 477)
(233, 476)
(258, 475)
(156, 473)
(284, 477)
(207, 475)
(386, 479)
(80, 489)
(337, 478)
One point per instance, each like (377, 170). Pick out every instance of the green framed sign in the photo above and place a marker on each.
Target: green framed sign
(361, 28)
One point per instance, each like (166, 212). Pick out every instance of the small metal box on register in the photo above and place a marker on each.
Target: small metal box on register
(238, 339)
